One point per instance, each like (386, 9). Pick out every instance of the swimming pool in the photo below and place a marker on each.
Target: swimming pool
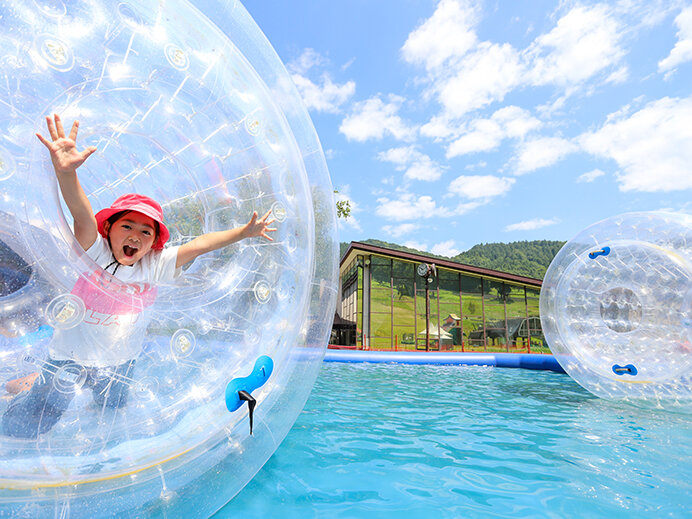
(406, 441)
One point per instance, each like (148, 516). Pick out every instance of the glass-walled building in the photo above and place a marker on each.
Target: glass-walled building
(396, 300)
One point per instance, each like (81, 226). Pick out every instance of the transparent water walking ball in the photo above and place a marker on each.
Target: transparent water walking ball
(616, 308)
(187, 103)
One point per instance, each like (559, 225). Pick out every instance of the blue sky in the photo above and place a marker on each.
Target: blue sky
(448, 123)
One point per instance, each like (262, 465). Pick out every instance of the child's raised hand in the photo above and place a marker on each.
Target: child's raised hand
(259, 226)
(63, 150)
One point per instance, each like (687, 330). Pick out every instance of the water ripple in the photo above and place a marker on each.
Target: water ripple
(391, 441)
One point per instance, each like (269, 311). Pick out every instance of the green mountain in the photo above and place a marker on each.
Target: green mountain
(523, 258)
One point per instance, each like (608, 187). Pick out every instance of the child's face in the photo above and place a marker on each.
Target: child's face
(131, 237)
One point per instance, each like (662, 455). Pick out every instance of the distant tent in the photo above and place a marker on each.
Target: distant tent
(437, 333)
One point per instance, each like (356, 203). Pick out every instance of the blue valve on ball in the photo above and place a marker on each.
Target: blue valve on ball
(239, 389)
(601, 252)
(627, 369)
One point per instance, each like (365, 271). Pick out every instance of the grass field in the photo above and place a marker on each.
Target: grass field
(397, 320)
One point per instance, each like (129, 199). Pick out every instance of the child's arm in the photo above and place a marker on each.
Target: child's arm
(215, 240)
(66, 159)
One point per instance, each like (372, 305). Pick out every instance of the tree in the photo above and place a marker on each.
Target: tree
(343, 207)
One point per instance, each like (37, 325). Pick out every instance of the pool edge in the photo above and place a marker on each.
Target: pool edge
(501, 360)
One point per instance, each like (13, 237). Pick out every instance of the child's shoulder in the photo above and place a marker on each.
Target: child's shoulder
(100, 248)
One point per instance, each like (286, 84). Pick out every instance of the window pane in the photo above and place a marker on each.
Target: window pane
(404, 310)
(448, 280)
(472, 306)
(359, 328)
(516, 317)
(421, 307)
(402, 269)
(470, 285)
(495, 329)
(493, 291)
(381, 325)
(494, 314)
(380, 260)
(380, 300)
(473, 334)
(380, 275)
(380, 343)
(532, 298)
(404, 337)
(450, 310)
(403, 288)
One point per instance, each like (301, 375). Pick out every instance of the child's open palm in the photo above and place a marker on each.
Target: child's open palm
(259, 226)
(63, 150)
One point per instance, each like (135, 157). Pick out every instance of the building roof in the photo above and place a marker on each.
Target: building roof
(356, 247)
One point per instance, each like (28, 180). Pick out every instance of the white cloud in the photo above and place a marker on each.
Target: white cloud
(374, 118)
(530, 225)
(326, 96)
(542, 152)
(467, 206)
(682, 51)
(584, 42)
(480, 186)
(408, 207)
(349, 223)
(306, 61)
(323, 94)
(425, 169)
(647, 13)
(445, 248)
(401, 156)
(396, 231)
(553, 106)
(439, 127)
(487, 134)
(417, 165)
(618, 76)
(590, 176)
(516, 122)
(482, 77)
(651, 146)
(412, 244)
(448, 33)
(465, 74)
(478, 165)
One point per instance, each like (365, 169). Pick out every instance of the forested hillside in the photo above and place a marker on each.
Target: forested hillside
(524, 258)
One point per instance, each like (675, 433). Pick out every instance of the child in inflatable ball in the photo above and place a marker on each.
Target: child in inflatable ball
(127, 241)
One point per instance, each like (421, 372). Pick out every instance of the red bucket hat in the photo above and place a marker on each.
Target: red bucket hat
(141, 204)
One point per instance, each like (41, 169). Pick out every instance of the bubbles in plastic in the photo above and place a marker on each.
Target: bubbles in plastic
(187, 103)
(616, 308)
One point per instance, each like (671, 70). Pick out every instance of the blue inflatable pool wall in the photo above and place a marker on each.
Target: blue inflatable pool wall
(500, 360)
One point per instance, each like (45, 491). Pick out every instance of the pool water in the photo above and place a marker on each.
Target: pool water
(397, 441)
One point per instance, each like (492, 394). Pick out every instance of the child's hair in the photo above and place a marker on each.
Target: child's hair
(117, 216)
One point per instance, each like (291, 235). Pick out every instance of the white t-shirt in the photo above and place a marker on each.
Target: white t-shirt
(114, 324)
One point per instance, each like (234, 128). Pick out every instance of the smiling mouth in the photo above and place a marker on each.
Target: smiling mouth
(129, 251)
